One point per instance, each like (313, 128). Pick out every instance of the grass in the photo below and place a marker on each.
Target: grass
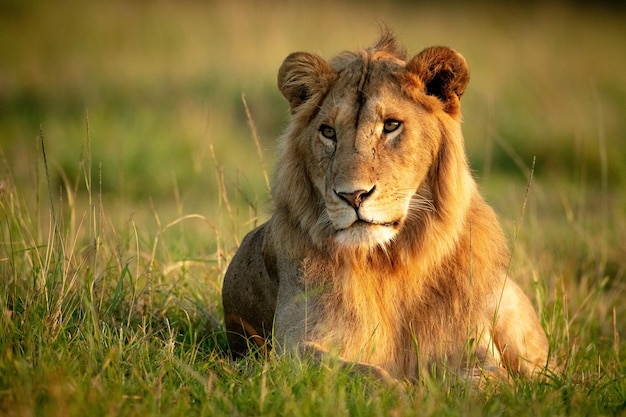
(129, 174)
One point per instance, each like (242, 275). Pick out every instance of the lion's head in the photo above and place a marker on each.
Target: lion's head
(359, 158)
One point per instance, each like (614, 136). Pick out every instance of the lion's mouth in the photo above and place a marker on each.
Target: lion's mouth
(393, 224)
(366, 227)
(363, 233)
(365, 223)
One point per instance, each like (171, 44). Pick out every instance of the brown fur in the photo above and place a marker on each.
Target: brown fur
(415, 273)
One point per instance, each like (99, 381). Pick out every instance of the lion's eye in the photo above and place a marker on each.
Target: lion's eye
(328, 132)
(391, 125)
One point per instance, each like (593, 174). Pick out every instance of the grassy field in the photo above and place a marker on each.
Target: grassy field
(129, 173)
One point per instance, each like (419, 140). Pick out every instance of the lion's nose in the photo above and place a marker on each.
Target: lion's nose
(355, 198)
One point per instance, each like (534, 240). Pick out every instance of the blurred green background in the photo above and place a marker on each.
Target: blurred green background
(147, 88)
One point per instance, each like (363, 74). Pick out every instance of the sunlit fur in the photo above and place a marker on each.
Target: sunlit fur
(416, 276)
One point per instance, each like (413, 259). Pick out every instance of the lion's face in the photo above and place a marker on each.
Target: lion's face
(365, 131)
(370, 152)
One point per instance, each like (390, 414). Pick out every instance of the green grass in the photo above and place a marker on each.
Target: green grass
(113, 246)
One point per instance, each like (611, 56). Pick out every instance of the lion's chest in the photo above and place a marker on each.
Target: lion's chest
(387, 320)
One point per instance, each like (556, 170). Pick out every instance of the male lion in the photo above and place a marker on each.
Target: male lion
(380, 248)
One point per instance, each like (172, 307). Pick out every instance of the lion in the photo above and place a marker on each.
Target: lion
(380, 250)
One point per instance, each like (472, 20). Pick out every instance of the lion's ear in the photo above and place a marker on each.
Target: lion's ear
(445, 75)
(303, 76)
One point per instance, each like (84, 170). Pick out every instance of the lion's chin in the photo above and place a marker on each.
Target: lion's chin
(363, 235)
